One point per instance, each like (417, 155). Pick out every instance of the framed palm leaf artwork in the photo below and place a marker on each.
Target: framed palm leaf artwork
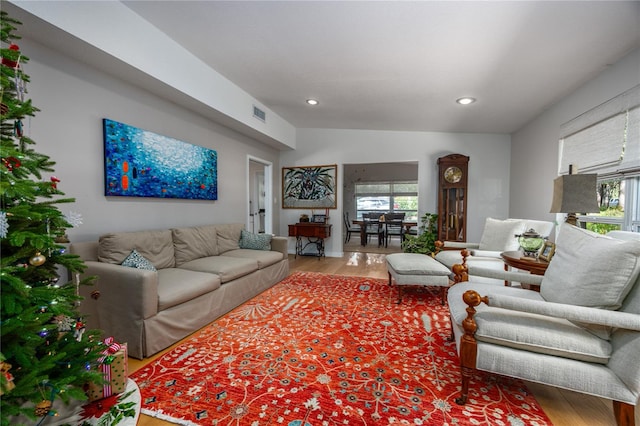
(309, 187)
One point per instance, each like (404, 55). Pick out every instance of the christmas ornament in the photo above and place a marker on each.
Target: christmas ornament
(54, 182)
(4, 225)
(79, 330)
(74, 218)
(11, 163)
(17, 128)
(64, 322)
(4, 370)
(38, 259)
(43, 408)
(8, 62)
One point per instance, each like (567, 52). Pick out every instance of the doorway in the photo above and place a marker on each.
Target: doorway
(379, 188)
(259, 192)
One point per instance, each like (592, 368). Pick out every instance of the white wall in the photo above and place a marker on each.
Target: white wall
(534, 149)
(117, 38)
(488, 169)
(74, 98)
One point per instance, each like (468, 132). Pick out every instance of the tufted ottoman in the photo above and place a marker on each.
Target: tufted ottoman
(417, 269)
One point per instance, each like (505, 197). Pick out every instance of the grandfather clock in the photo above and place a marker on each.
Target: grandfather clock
(452, 197)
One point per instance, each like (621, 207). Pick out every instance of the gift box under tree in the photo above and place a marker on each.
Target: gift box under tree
(113, 364)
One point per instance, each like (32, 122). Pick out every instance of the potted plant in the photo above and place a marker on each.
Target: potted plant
(424, 242)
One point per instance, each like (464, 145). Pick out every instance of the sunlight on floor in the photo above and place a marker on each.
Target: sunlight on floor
(358, 259)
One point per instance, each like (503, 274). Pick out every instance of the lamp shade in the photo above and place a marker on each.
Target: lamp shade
(575, 194)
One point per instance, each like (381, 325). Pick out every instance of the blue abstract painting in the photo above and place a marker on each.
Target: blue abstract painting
(139, 163)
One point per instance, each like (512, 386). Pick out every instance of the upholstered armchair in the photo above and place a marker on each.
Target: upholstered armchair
(581, 332)
(497, 236)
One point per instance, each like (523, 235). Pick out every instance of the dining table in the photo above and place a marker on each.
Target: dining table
(408, 224)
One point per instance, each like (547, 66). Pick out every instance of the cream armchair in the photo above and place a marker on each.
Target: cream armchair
(497, 236)
(580, 332)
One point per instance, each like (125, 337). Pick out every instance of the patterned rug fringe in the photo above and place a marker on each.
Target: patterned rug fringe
(167, 418)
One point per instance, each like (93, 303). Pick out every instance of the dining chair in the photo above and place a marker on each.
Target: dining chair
(349, 228)
(373, 226)
(393, 227)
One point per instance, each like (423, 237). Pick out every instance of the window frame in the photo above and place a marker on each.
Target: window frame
(630, 221)
(391, 195)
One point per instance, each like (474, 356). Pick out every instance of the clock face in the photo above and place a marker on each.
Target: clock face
(453, 174)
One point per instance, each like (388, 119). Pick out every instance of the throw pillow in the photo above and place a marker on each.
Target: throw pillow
(249, 240)
(138, 261)
(500, 235)
(590, 269)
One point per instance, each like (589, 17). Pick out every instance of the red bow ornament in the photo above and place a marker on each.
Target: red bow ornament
(112, 348)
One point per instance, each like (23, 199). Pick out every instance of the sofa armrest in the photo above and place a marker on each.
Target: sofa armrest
(485, 253)
(450, 245)
(280, 244)
(128, 294)
(583, 314)
(499, 274)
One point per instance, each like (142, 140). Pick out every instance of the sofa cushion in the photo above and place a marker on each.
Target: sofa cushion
(449, 257)
(589, 269)
(415, 264)
(194, 242)
(525, 331)
(155, 246)
(500, 235)
(540, 334)
(264, 258)
(249, 240)
(176, 286)
(227, 267)
(229, 236)
(138, 261)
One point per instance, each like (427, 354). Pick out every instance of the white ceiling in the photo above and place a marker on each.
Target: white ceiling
(400, 65)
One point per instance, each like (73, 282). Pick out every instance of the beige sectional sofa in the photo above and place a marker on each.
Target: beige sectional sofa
(179, 280)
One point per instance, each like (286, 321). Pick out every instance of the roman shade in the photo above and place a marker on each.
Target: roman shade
(606, 139)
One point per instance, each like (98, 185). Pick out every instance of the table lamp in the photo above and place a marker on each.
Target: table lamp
(575, 194)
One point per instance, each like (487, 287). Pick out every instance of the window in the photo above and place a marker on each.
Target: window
(387, 197)
(619, 200)
(606, 141)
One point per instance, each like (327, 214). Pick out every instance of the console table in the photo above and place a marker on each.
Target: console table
(315, 233)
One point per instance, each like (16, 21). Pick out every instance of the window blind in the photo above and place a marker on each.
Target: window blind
(630, 165)
(605, 139)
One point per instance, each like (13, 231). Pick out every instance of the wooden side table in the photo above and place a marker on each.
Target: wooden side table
(315, 233)
(517, 259)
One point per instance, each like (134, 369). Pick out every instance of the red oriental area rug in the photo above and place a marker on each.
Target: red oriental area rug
(328, 350)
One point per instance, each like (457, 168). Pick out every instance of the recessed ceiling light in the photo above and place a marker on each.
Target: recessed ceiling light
(312, 102)
(465, 101)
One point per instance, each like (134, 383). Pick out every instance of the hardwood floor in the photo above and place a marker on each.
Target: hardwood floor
(564, 408)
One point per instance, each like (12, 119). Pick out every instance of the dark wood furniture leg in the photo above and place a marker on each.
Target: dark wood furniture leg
(468, 344)
(624, 413)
